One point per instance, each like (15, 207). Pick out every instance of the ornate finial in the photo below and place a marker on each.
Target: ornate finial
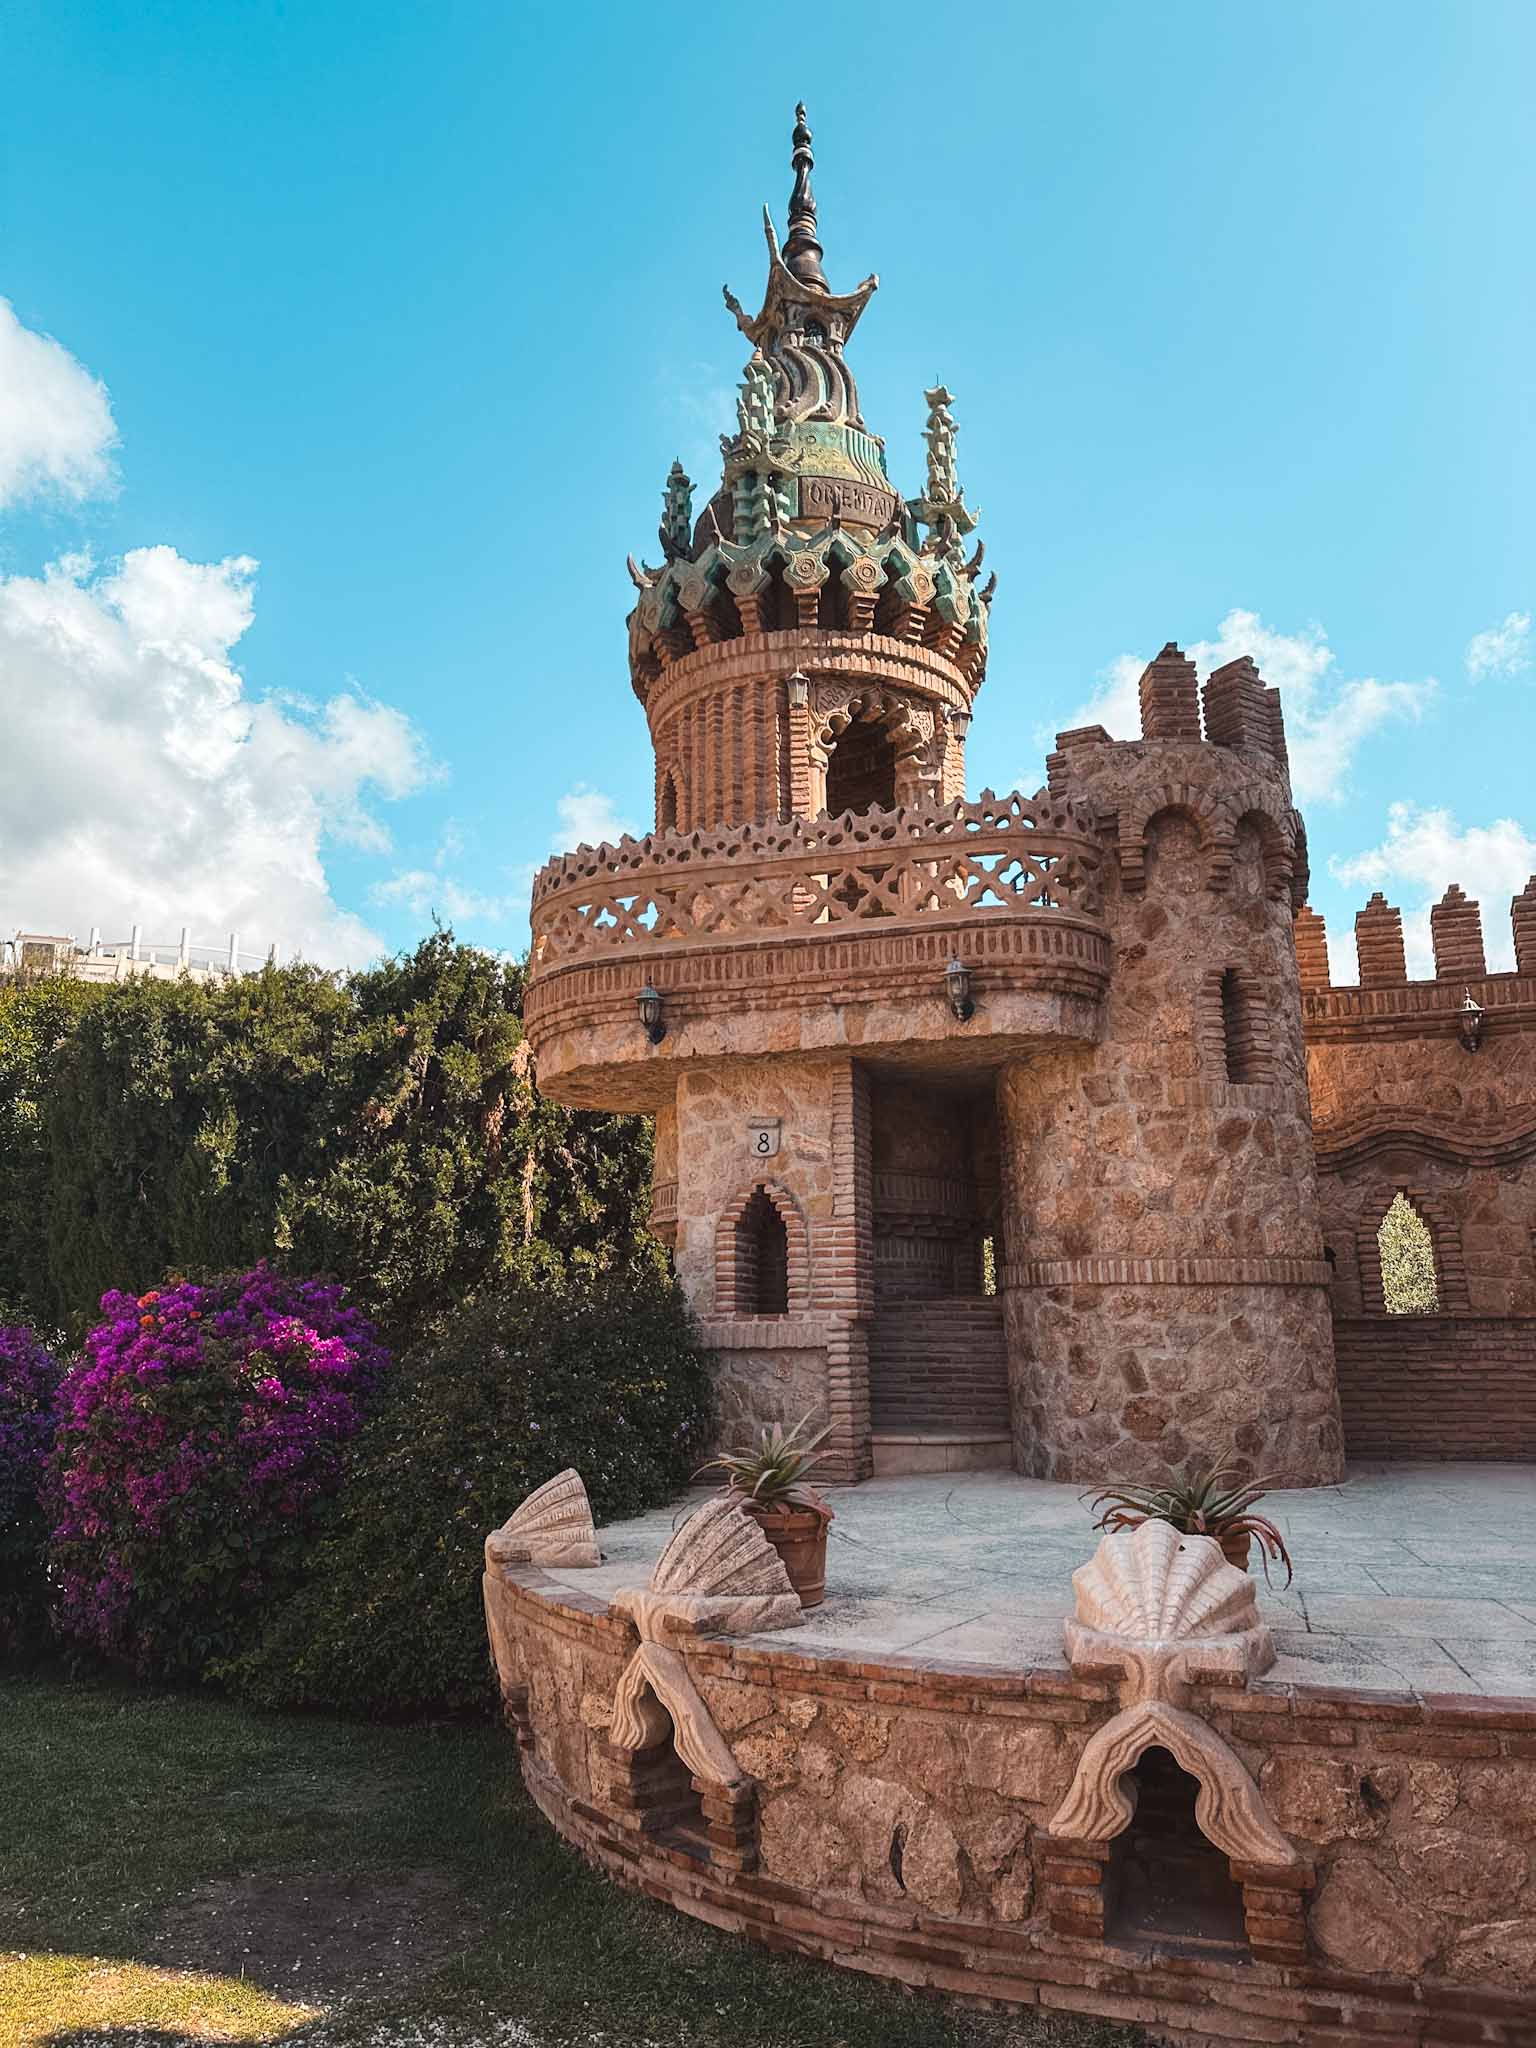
(802, 251)
(676, 529)
(943, 488)
(754, 407)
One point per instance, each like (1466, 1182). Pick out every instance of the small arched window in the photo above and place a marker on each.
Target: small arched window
(1240, 1028)
(762, 1259)
(861, 774)
(666, 808)
(1410, 1284)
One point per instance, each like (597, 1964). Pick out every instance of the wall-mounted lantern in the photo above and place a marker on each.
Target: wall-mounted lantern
(1469, 1025)
(799, 688)
(957, 986)
(648, 1003)
(959, 722)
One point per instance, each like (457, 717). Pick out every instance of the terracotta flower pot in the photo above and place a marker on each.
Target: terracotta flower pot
(1234, 1548)
(799, 1535)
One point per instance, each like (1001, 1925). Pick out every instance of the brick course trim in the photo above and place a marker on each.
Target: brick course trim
(1172, 1272)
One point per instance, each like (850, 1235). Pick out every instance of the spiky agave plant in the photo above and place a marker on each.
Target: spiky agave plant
(1216, 1502)
(772, 1473)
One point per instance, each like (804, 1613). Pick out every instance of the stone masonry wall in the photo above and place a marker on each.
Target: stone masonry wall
(901, 1815)
(1405, 1102)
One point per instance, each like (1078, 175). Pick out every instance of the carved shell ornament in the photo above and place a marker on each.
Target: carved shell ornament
(1162, 1609)
(718, 1573)
(720, 1553)
(1155, 1585)
(553, 1526)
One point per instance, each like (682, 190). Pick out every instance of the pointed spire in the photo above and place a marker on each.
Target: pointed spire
(802, 251)
(676, 529)
(940, 436)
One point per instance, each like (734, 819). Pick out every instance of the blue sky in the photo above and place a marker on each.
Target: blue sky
(412, 308)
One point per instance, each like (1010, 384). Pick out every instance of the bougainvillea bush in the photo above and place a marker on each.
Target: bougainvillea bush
(197, 1442)
(600, 1370)
(29, 1378)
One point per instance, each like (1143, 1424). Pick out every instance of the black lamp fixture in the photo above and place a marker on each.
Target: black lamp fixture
(1469, 1028)
(648, 1003)
(957, 986)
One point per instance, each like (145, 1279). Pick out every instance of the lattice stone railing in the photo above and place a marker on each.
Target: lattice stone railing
(1012, 855)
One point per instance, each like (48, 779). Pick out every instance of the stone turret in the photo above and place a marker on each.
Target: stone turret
(1167, 1294)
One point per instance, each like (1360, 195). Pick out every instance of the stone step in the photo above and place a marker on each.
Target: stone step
(937, 1450)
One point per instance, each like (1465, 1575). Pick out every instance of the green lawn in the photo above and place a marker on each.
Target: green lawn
(175, 1869)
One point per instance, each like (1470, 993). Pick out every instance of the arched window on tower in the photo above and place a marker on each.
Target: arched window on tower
(1410, 1284)
(666, 809)
(1240, 1027)
(861, 773)
(762, 1259)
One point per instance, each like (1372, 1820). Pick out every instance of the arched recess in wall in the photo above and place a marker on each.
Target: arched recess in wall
(666, 804)
(1140, 829)
(762, 1254)
(1410, 1275)
(1235, 1027)
(861, 768)
(1408, 1244)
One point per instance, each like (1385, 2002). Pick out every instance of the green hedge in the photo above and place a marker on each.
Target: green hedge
(600, 1370)
(383, 1127)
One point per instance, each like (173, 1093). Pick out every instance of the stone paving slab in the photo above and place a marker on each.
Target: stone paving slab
(1418, 1578)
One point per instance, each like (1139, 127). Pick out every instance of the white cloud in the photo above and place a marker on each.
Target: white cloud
(590, 818)
(56, 428)
(585, 816)
(1326, 716)
(435, 892)
(1115, 703)
(1501, 650)
(1423, 853)
(140, 784)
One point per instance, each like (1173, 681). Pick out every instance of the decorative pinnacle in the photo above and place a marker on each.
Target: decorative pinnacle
(802, 251)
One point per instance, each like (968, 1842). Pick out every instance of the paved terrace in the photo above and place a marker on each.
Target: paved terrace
(1409, 1578)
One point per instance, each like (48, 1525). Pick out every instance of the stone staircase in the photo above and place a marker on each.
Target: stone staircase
(939, 1386)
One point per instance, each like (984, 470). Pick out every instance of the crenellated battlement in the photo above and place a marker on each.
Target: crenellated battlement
(1456, 936)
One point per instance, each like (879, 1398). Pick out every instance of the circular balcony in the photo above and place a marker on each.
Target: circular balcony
(827, 935)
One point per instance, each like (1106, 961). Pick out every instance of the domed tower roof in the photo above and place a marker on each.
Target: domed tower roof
(805, 497)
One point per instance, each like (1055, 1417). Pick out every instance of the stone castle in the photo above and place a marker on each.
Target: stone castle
(1022, 1130)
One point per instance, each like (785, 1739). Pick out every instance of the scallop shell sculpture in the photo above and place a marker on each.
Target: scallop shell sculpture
(720, 1553)
(553, 1526)
(1152, 1584)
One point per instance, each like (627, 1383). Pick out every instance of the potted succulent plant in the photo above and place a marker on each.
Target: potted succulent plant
(769, 1479)
(1217, 1502)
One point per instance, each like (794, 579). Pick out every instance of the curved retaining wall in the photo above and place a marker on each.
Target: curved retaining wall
(897, 1824)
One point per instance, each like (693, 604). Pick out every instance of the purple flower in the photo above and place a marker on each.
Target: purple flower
(202, 1436)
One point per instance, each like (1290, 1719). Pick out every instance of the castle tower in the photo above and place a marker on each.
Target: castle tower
(929, 1168)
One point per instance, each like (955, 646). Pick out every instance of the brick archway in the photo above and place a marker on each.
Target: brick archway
(730, 1290)
(1444, 1237)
